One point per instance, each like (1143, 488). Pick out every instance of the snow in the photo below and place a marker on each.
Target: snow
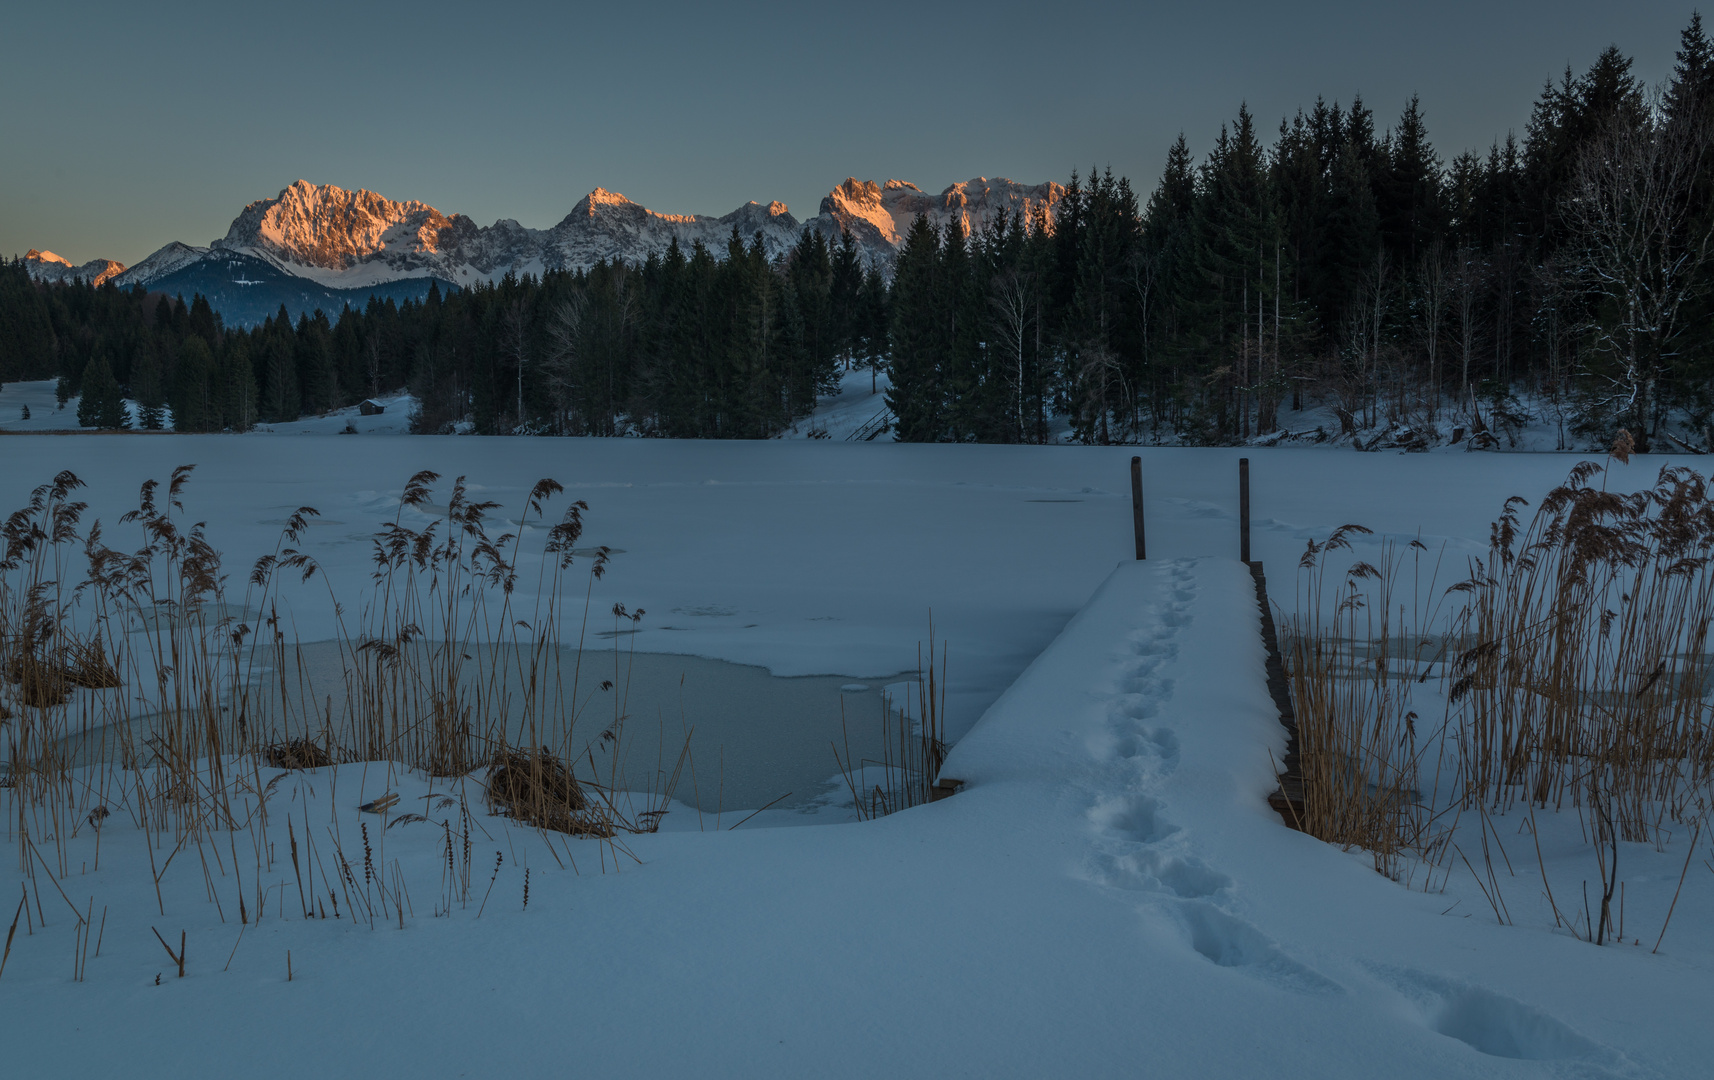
(354, 239)
(856, 408)
(879, 216)
(46, 266)
(1107, 890)
(159, 264)
(395, 420)
(38, 397)
(45, 415)
(1108, 894)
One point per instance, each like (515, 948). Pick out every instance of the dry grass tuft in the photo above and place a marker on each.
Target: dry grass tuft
(300, 753)
(86, 665)
(535, 787)
(42, 684)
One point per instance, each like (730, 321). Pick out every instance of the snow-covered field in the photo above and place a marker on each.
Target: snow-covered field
(1109, 895)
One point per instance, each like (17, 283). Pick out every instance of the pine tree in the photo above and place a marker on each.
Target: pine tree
(238, 379)
(917, 361)
(1410, 200)
(146, 386)
(844, 298)
(280, 393)
(194, 399)
(102, 405)
(873, 323)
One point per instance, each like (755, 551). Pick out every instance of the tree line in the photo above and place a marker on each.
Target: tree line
(686, 345)
(1331, 266)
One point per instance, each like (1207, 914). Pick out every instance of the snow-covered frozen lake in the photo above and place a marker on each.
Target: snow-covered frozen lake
(1109, 895)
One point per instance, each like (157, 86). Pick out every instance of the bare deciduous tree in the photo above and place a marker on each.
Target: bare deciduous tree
(1465, 284)
(1638, 251)
(1012, 301)
(1431, 297)
(559, 366)
(515, 341)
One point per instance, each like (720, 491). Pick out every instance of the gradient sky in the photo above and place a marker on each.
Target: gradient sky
(126, 125)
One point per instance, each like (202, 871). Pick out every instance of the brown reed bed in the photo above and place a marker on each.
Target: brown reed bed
(141, 680)
(1574, 666)
(1352, 654)
(1588, 665)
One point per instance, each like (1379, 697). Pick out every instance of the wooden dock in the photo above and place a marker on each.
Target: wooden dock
(1287, 799)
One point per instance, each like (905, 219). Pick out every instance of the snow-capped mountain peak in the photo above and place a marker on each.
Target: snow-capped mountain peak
(159, 264)
(882, 213)
(322, 230)
(354, 241)
(46, 266)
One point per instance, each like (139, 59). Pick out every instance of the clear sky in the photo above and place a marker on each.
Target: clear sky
(125, 125)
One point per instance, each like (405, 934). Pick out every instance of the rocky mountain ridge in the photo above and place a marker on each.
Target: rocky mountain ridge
(46, 266)
(343, 239)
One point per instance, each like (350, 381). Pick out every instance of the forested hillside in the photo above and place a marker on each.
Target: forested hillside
(1332, 262)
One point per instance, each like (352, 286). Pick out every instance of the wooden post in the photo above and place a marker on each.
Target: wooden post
(1244, 509)
(1137, 505)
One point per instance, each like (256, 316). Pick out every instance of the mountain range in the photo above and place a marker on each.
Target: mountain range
(320, 246)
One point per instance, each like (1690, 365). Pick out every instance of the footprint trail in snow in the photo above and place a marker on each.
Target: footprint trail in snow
(1140, 851)
(1138, 847)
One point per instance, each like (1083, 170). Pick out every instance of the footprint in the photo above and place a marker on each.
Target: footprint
(1189, 878)
(1138, 704)
(1230, 942)
(1119, 744)
(1122, 870)
(1135, 818)
(1158, 743)
(1130, 747)
(1493, 1024)
(1165, 744)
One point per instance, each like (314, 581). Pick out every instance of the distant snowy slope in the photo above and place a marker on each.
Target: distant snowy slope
(163, 262)
(246, 289)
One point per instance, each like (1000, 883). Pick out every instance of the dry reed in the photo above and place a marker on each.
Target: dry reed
(1575, 665)
(439, 668)
(913, 747)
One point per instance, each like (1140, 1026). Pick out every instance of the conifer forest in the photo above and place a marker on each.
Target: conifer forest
(1337, 262)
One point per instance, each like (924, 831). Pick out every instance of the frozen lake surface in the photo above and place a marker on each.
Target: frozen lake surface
(1108, 894)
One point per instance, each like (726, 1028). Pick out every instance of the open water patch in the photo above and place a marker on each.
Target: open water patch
(753, 736)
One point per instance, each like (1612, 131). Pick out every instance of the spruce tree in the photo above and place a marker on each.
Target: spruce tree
(1410, 200)
(314, 356)
(845, 289)
(194, 398)
(873, 323)
(280, 394)
(146, 386)
(238, 378)
(917, 338)
(102, 405)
